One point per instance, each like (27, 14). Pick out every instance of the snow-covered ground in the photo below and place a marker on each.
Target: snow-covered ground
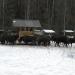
(35, 60)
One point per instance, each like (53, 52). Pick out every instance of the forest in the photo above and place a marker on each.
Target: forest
(52, 14)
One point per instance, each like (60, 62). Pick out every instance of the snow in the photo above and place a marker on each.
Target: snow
(70, 31)
(35, 60)
(48, 31)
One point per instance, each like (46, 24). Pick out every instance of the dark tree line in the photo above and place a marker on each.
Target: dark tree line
(53, 14)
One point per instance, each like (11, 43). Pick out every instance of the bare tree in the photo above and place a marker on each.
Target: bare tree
(28, 9)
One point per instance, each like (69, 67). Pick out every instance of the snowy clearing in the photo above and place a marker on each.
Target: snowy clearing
(35, 60)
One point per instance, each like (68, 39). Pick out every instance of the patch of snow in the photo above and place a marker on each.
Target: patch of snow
(35, 60)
